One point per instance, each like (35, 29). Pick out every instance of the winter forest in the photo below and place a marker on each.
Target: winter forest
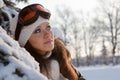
(92, 40)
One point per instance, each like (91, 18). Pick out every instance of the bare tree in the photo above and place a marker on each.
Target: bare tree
(111, 20)
(70, 25)
(91, 33)
(65, 20)
(104, 52)
(76, 29)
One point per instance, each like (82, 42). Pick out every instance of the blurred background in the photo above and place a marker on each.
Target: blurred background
(90, 28)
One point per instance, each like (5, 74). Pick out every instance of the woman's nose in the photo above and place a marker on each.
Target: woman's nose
(46, 34)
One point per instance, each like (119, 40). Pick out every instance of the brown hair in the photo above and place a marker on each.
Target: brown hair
(61, 54)
(39, 58)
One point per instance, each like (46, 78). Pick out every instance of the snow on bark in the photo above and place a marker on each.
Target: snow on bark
(1, 4)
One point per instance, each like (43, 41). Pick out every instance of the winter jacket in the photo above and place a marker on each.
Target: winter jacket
(53, 68)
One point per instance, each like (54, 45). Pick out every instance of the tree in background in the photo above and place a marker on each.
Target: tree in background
(104, 52)
(76, 32)
(111, 23)
(64, 21)
(90, 34)
(70, 25)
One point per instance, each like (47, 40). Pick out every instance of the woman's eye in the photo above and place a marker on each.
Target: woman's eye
(37, 31)
(48, 28)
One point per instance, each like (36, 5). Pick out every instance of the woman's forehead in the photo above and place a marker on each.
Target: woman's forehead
(44, 24)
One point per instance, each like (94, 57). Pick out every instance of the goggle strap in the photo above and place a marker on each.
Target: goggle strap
(17, 31)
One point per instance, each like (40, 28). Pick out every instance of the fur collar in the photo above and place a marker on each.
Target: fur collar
(53, 71)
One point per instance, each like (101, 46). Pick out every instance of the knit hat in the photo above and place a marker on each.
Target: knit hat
(26, 30)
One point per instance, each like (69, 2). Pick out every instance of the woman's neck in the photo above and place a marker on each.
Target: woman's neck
(47, 55)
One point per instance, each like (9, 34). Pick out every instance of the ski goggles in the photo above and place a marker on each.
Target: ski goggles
(30, 14)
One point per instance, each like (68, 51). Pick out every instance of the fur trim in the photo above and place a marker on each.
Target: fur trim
(54, 71)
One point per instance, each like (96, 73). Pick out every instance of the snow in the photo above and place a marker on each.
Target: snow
(1, 4)
(15, 62)
(108, 72)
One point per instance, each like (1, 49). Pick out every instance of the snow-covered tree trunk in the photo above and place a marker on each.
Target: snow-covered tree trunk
(15, 62)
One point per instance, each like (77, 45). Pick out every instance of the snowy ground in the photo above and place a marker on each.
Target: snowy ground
(101, 72)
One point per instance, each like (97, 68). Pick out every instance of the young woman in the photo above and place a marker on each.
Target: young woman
(33, 32)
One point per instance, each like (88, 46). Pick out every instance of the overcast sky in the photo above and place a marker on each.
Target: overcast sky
(85, 5)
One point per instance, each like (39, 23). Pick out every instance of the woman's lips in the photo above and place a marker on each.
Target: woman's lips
(49, 41)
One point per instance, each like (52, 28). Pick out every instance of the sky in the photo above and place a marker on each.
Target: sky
(75, 5)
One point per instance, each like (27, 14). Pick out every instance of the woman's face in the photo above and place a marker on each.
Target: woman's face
(42, 39)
